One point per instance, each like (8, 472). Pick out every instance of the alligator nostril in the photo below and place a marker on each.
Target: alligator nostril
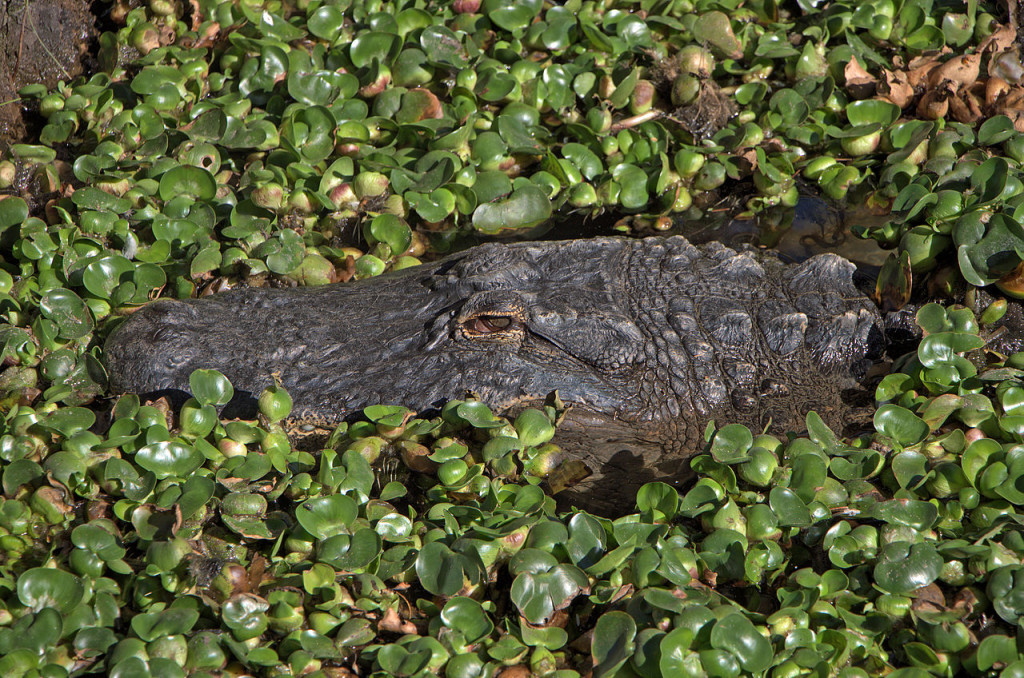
(743, 401)
(770, 387)
(176, 360)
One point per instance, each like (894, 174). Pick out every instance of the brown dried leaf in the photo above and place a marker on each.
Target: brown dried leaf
(933, 105)
(959, 110)
(995, 88)
(1002, 39)
(919, 68)
(391, 621)
(859, 83)
(961, 71)
(897, 88)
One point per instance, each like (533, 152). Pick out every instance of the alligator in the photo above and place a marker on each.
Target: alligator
(646, 341)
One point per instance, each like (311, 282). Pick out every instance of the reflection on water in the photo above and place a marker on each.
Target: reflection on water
(815, 225)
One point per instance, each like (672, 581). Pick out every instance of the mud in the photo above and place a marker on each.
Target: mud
(41, 41)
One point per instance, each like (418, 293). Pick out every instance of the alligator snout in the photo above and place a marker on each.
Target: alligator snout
(153, 352)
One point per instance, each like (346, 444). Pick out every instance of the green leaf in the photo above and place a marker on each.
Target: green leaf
(534, 427)
(210, 387)
(442, 571)
(194, 183)
(168, 459)
(900, 424)
(612, 643)
(42, 587)
(64, 307)
(903, 567)
(736, 634)
(468, 617)
(790, 509)
(325, 517)
(528, 206)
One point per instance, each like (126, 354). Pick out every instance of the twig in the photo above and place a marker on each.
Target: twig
(626, 123)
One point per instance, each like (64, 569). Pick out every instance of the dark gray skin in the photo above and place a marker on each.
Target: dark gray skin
(646, 340)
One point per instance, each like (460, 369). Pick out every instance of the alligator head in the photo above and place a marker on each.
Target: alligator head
(647, 340)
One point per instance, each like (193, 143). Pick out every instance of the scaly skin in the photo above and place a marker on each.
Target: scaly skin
(647, 340)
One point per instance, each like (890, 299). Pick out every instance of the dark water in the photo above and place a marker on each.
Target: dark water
(814, 226)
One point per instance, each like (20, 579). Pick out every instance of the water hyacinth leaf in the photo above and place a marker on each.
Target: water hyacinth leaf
(989, 179)
(442, 571)
(311, 85)
(791, 106)
(153, 625)
(18, 473)
(613, 642)
(101, 276)
(397, 660)
(900, 424)
(676, 656)
(210, 387)
(443, 47)
(658, 499)
(872, 111)
(478, 415)
(538, 595)
(633, 182)
(326, 22)
(584, 159)
(167, 459)
(910, 468)
(736, 634)
(350, 553)
(942, 347)
(996, 650)
(432, 207)
(915, 514)
(731, 444)
(194, 183)
(42, 587)
(1006, 589)
(13, 212)
(70, 420)
(809, 473)
(533, 427)
(468, 617)
(790, 509)
(903, 567)
(387, 415)
(68, 311)
(525, 208)
(324, 517)
(392, 231)
(995, 130)
(715, 28)
(513, 16)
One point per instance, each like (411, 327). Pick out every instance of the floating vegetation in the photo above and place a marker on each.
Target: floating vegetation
(233, 142)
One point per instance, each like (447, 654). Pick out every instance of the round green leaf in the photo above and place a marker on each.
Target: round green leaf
(72, 315)
(325, 517)
(468, 617)
(189, 181)
(43, 587)
(900, 424)
(210, 387)
(528, 206)
(736, 634)
(169, 459)
(902, 567)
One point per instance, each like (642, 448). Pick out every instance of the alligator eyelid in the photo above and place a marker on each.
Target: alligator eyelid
(481, 325)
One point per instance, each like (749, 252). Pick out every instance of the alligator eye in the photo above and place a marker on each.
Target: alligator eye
(487, 324)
